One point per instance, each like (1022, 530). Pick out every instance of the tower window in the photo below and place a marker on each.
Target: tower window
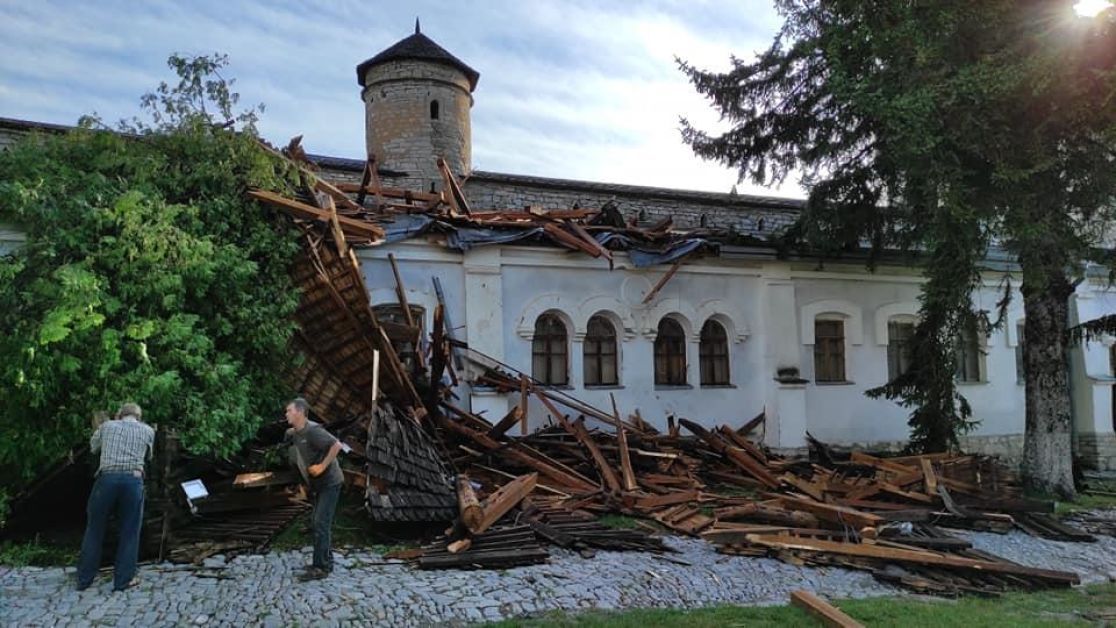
(433, 109)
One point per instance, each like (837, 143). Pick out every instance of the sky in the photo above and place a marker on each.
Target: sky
(568, 88)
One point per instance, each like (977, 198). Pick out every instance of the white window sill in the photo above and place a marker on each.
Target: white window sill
(845, 383)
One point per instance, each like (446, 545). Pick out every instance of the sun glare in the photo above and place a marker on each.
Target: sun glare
(1089, 8)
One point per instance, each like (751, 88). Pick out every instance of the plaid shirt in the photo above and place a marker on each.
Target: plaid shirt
(124, 444)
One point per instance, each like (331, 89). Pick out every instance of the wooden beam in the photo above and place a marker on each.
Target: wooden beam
(506, 497)
(625, 456)
(357, 228)
(469, 507)
(577, 429)
(735, 454)
(510, 419)
(929, 478)
(829, 615)
(662, 282)
(912, 556)
(832, 513)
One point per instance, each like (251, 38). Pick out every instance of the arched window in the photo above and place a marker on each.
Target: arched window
(829, 350)
(600, 353)
(405, 340)
(670, 354)
(434, 109)
(899, 335)
(713, 357)
(548, 351)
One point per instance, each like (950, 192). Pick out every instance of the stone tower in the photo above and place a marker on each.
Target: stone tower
(417, 98)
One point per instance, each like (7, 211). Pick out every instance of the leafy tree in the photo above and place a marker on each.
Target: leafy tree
(943, 128)
(146, 275)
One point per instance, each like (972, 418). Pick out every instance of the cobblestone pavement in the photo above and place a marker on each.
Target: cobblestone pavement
(364, 589)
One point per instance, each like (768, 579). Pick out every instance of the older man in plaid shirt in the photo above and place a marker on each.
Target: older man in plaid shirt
(124, 445)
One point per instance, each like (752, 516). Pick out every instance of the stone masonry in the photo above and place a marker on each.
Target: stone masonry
(401, 129)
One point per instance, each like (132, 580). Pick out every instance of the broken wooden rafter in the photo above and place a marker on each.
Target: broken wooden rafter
(356, 228)
(662, 282)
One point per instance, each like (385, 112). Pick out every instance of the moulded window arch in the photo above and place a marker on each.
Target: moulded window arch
(670, 353)
(550, 350)
(600, 353)
(713, 357)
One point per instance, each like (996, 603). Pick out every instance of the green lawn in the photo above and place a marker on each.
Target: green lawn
(1081, 606)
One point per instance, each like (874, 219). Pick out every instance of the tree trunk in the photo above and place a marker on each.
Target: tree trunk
(1047, 448)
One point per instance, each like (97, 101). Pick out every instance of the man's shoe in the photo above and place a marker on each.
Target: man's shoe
(312, 573)
(131, 583)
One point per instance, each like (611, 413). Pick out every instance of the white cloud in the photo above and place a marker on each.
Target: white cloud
(571, 89)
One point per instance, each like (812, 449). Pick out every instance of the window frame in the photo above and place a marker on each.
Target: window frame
(598, 348)
(899, 349)
(550, 344)
(714, 368)
(829, 352)
(670, 353)
(967, 348)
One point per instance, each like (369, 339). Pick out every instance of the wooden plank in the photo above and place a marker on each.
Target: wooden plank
(829, 615)
(750, 426)
(929, 478)
(456, 196)
(357, 228)
(409, 195)
(662, 282)
(912, 556)
(337, 195)
(511, 418)
(735, 454)
(831, 512)
(590, 240)
(577, 428)
(625, 455)
(265, 478)
(736, 439)
(523, 401)
(569, 240)
(504, 499)
(548, 468)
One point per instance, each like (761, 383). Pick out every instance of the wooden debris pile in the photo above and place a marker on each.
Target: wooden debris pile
(860, 511)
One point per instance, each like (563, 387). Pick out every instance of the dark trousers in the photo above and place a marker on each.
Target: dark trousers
(325, 505)
(122, 493)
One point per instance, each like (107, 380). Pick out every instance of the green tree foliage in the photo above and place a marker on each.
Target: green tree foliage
(147, 275)
(942, 127)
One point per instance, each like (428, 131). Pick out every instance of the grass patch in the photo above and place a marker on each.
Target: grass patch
(1086, 501)
(1080, 606)
(620, 522)
(35, 553)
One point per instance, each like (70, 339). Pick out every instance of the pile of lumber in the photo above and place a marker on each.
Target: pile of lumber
(514, 490)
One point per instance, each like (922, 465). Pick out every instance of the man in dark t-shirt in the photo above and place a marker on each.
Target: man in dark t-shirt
(315, 450)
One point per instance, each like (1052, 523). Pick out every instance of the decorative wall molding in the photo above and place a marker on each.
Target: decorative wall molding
(907, 311)
(850, 312)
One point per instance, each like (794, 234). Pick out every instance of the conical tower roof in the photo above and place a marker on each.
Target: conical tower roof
(418, 47)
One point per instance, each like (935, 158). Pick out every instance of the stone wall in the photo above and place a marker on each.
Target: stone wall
(1097, 451)
(744, 214)
(399, 125)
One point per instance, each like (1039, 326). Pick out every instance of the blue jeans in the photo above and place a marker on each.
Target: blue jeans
(120, 492)
(325, 504)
